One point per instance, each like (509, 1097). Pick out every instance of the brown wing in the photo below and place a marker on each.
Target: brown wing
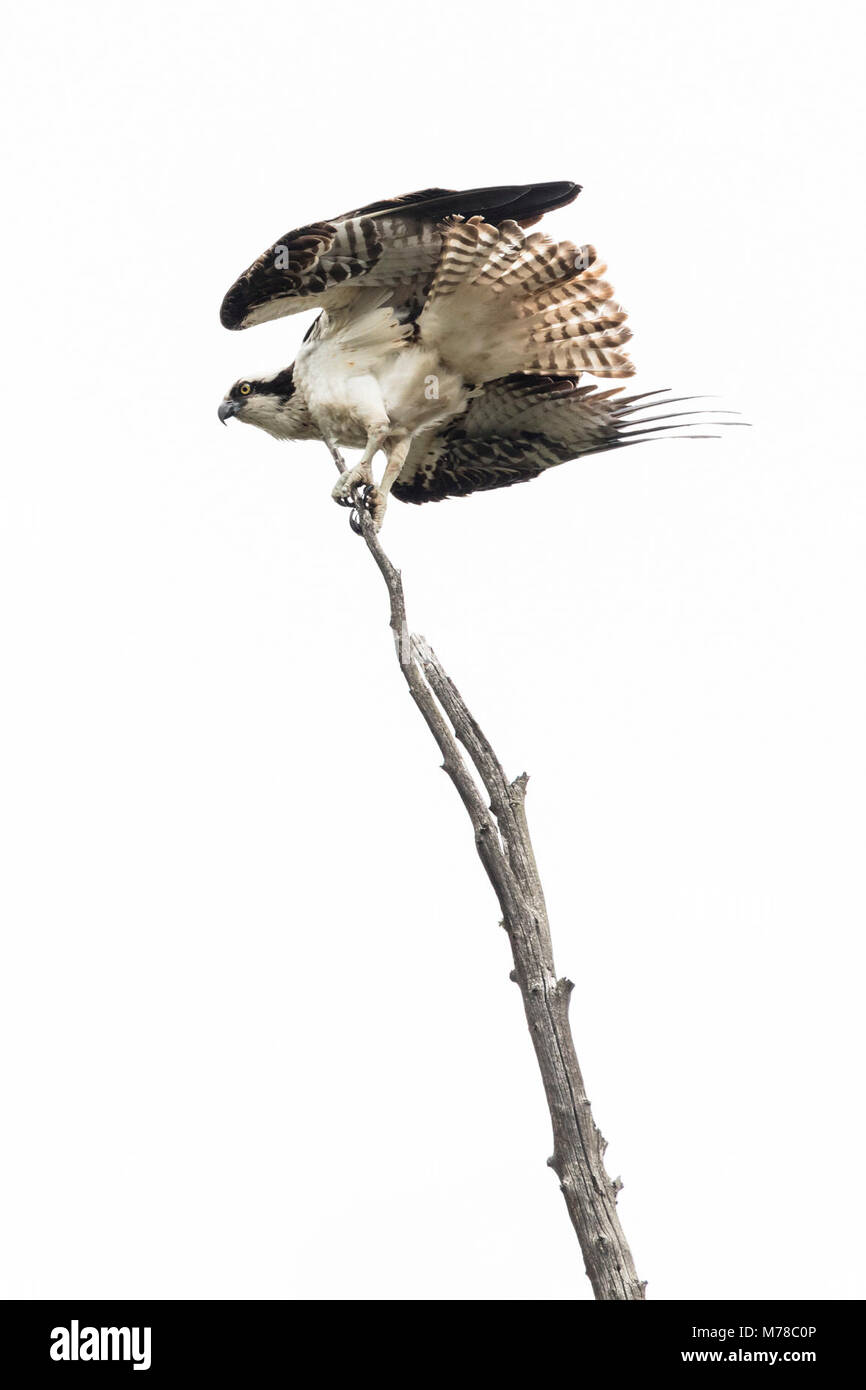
(517, 427)
(454, 465)
(391, 244)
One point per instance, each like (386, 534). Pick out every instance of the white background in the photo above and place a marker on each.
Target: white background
(258, 1036)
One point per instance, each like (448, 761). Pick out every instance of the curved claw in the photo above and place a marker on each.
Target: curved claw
(360, 503)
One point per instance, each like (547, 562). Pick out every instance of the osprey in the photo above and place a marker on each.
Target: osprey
(448, 338)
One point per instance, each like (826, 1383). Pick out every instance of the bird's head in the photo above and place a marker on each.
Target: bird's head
(272, 403)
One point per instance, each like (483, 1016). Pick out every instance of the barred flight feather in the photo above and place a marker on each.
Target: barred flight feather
(535, 305)
(519, 427)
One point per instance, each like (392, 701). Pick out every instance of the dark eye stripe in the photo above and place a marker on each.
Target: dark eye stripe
(282, 385)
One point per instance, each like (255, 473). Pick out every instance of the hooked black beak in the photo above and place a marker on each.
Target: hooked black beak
(227, 409)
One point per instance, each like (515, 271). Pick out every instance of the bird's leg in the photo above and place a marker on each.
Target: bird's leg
(369, 411)
(343, 490)
(359, 476)
(377, 497)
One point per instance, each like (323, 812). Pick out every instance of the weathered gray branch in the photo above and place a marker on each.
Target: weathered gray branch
(505, 849)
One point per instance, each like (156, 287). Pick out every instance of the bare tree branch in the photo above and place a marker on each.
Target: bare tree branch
(505, 849)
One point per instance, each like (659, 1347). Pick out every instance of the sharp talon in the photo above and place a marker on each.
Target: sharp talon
(347, 486)
(360, 496)
(374, 505)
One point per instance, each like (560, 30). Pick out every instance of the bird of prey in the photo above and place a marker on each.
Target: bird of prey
(448, 338)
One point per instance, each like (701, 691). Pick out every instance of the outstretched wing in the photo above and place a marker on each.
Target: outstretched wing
(517, 427)
(392, 244)
(451, 466)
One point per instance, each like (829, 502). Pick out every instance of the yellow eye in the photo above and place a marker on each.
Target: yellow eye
(245, 388)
